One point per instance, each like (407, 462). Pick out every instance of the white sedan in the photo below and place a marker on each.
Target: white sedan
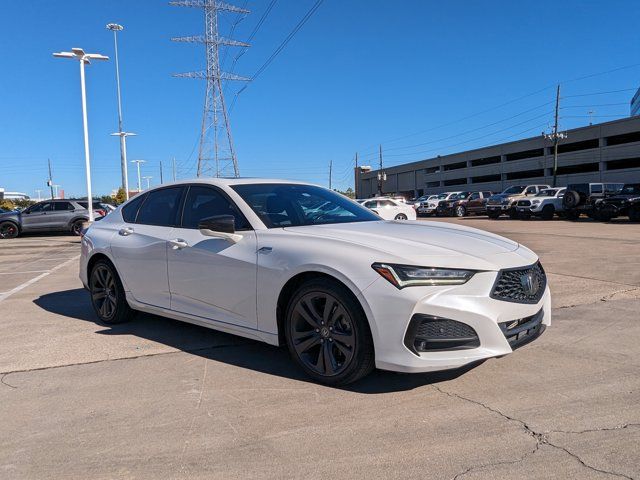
(390, 209)
(343, 289)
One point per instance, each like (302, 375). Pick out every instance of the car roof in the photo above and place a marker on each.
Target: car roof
(235, 181)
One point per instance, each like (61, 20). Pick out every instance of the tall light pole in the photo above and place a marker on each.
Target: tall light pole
(38, 192)
(82, 57)
(138, 162)
(148, 179)
(115, 28)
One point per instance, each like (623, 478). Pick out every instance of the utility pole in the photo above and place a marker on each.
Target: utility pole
(161, 181)
(330, 172)
(356, 178)
(556, 137)
(50, 182)
(216, 155)
(382, 175)
(173, 163)
(147, 178)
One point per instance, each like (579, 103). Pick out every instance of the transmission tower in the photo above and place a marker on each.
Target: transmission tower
(216, 155)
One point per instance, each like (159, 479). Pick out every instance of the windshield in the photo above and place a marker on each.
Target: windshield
(442, 196)
(633, 189)
(459, 196)
(514, 189)
(292, 205)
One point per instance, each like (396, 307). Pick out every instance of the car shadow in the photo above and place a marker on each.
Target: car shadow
(226, 348)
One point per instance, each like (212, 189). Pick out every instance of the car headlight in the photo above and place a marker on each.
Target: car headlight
(402, 276)
(535, 202)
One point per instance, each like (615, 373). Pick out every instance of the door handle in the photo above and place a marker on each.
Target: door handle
(265, 250)
(125, 232)
(178, 244)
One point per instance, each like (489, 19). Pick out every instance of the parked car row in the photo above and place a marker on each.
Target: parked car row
(600, 201)
(50, 216)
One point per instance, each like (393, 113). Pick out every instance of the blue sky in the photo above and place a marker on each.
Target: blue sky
(360, 72)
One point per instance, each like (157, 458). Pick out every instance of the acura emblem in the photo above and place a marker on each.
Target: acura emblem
(530, 283)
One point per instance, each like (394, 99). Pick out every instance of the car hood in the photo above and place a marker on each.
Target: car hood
(427, 243)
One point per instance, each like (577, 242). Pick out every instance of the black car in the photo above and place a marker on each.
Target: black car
(582, 198)
(464, 203)
(625, 203)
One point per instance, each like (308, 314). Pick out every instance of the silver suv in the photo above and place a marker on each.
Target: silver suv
(47, 216)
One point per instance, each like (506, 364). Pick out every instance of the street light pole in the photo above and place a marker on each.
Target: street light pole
(148, 179)
(79, 54)
(138, 162)
(115, 28)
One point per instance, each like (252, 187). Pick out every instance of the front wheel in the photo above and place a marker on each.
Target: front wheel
(513, 213)
(547, 212)
(107, 294)
(8, 230)
(401, 216)
(327, 333)
(461, 211)
(493, 215)
(634, 214)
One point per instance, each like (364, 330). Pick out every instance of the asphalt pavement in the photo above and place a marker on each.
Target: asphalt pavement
(158, 398)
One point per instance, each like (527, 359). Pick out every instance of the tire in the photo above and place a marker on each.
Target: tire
(493, 215)
(460, 211)
(571, 215)
(634, 214)
(571, 199)
(513, 213)
(8, 230)
(332, 346)
(400, 216)
(76, 227)
(547, 212)
(107, 294)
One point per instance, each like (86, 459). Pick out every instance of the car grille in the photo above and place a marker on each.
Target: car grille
(524, 203)
(428, 333)
(494, 202)
(520, 285)
(518, 332)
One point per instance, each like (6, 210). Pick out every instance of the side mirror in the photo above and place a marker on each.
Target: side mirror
(220, 226)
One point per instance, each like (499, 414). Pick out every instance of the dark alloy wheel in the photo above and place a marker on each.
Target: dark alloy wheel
(461, 211)
(8, 230)
(547, 212)
(401, 216)
(76, 227)
(107, 295)
(327, 333)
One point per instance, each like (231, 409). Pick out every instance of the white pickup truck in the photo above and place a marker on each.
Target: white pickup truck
(545, 204)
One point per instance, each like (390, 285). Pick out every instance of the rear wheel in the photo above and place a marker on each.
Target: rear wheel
(401, 216)
(76, 227)
(461, 211)
(547, 212)
(107, 294)
(8, 230)
(327, 333)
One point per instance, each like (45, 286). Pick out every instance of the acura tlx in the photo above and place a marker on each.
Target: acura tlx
(299, 265)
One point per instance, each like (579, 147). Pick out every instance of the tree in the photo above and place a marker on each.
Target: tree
(347, 193)
(7, 205)
(121, 196)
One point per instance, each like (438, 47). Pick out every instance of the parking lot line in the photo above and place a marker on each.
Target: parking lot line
(24, 285)
(27, 271)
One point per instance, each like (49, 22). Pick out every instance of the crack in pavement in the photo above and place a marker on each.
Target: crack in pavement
(540, 438)
(606, 298)
(92, 362)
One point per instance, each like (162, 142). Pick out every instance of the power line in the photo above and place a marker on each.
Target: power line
(600, 93)
(279, 49)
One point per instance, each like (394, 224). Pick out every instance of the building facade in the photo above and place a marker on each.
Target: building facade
(635, 104)
(605, 152)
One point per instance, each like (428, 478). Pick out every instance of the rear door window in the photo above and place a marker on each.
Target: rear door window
(161, 207)
(62, 206)
(130, 210)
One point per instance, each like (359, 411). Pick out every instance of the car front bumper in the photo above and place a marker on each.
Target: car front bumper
(498, 208)
(391, 311)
